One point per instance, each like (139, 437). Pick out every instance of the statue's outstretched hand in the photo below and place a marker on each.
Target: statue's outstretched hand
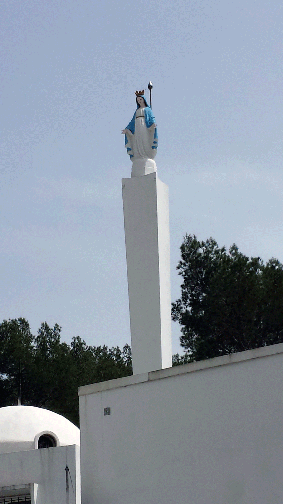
(124, 132)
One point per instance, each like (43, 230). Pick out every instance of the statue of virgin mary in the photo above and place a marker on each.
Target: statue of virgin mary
(141, 138)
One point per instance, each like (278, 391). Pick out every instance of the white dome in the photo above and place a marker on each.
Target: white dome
(21, 426)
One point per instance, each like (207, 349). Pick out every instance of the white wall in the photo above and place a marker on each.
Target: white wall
(45, 470)
(212, 434)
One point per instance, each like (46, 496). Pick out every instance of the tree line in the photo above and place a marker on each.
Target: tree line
(41, 370)
(229, 302)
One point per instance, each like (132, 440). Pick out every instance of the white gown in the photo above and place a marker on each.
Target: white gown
(140, 144)
(142, 140)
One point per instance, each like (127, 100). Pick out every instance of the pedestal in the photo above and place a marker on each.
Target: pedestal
(146, 218)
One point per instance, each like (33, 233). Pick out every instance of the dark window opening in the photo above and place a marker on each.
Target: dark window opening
(46, 441)
(12, 500)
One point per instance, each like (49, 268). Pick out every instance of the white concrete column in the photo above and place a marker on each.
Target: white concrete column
(146, 218)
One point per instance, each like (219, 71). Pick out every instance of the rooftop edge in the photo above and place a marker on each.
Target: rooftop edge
(224, 360)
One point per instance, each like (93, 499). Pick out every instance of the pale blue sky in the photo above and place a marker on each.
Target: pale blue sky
(68, 73)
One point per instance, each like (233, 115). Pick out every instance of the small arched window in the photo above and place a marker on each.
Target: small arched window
(46, 441)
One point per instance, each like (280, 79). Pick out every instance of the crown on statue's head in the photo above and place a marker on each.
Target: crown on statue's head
(139, 93)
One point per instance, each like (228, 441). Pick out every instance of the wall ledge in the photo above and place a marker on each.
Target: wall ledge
(234, 358)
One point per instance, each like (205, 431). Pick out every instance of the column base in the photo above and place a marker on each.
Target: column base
(143, 166)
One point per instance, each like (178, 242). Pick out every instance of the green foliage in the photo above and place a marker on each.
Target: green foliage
(229, 302)
(178, 360)
(15, 358)
(45, 372)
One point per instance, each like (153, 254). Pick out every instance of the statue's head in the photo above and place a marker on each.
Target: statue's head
(140, 99)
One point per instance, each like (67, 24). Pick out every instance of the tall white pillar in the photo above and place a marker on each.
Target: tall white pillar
(146, 217)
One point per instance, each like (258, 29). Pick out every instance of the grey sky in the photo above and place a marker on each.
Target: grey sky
(68, 74)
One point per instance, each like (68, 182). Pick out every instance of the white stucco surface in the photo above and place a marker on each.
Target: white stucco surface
(41, 473)
(19, 426)
(44, 471)
(209, 432)
(146, 218)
